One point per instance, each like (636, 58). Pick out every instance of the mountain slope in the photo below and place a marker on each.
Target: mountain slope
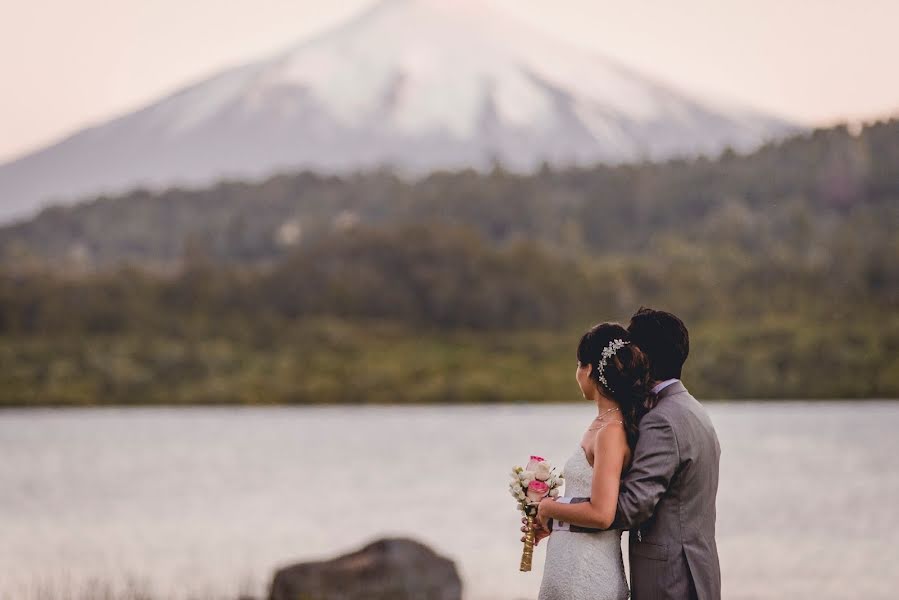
(417, 85)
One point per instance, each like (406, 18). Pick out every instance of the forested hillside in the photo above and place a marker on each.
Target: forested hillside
(463, 287)
(800, 191)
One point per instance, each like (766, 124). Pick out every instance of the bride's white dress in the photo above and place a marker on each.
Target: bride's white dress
(583, 566)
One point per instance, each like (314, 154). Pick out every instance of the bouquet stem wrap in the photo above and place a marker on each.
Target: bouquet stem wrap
(529, 486)
(527, 553)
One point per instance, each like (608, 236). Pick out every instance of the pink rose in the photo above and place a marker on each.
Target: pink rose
(532, 464)
(537, 490)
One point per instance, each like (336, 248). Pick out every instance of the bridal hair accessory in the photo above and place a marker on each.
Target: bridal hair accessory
(529, 486)
(607, 353)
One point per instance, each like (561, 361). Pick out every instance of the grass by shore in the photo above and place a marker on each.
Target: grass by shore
(326, 361)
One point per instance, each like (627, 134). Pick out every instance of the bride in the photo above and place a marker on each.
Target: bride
(614, 374)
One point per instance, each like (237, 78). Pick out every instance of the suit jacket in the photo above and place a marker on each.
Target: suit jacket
(667, 501)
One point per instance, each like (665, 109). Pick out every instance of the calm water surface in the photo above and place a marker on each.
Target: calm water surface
(208, 501)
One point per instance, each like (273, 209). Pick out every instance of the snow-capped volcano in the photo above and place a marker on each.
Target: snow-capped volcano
(416, 85)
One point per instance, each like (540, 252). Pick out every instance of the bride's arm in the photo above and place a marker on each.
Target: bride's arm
(655, 463)
(610, 452)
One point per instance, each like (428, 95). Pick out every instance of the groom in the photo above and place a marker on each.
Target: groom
(667, 496)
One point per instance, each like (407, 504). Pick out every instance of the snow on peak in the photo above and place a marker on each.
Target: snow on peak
(441, 63)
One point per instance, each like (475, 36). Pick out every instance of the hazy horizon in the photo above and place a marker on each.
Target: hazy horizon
(816, 63)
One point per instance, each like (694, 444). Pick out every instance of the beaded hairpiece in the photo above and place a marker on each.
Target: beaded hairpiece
(607, 353)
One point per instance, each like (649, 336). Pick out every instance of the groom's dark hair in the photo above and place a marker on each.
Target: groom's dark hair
(664, 339)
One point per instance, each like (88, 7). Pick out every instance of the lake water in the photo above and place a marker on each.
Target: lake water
(206, 502)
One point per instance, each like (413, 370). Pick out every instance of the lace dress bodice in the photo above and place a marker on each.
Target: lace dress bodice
(583, 566)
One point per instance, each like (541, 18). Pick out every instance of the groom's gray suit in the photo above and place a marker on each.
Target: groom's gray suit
(667, 501)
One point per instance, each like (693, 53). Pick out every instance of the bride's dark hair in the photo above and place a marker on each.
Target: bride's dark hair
(627, 375)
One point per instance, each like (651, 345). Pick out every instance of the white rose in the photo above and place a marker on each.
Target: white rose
(554, 492)
(541, 471)
(526, 477)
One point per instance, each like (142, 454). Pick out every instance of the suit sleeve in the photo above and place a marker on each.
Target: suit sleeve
(655, 462)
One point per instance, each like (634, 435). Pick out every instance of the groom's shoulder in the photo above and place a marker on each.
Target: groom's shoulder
(661, 414)
(672, 407)
(684, 409)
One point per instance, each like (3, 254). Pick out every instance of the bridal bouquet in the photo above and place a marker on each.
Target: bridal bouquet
(529, 486)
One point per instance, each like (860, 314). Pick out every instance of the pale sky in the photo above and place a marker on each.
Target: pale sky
(65, 64)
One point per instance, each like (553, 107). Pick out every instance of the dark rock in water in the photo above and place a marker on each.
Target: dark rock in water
(387, 569)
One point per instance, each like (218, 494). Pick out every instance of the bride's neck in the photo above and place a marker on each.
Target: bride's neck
(604, 404)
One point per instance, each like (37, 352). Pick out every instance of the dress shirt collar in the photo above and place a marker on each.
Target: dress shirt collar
(662, 385)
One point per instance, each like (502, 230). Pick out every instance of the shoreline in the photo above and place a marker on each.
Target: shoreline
(419, 405)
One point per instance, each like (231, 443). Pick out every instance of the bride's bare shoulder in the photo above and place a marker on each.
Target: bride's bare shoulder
(611, 441)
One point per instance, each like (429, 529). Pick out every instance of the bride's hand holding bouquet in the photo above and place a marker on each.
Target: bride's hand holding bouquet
(541, 518)
(530, 486)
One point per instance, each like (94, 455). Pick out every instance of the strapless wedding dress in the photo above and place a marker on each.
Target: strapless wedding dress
(583, 566)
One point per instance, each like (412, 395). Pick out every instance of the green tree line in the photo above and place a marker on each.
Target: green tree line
(428, 314)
